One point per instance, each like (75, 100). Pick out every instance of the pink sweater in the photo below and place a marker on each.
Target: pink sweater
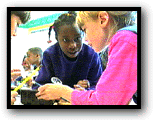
(118, 82)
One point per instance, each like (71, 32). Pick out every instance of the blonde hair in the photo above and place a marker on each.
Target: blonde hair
(119, 19)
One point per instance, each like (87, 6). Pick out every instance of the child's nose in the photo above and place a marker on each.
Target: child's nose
(73, 45)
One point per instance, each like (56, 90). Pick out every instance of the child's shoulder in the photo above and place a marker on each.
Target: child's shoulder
(52, 49)
(125, 36)
(87, 50)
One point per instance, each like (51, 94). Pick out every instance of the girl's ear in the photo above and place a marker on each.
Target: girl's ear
(103, 18)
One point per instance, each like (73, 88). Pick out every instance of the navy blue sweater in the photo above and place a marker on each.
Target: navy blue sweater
(55, 64)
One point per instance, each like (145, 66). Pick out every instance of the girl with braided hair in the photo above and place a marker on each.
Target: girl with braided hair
(69, 59)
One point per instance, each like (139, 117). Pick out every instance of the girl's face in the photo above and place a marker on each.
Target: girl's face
(94, 35)
(70, 41)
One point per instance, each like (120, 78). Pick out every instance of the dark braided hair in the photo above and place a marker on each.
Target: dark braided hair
(64, 19)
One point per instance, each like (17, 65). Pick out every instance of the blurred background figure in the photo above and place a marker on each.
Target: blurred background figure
(30, 62)
(17, 18)
(34, 56)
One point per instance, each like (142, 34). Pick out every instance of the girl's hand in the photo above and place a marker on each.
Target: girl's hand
(78, 87)
(54, 92)
(84, 83)
(49, 92)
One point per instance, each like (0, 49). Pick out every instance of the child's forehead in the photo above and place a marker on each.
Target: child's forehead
(69, 26)
(69, 29)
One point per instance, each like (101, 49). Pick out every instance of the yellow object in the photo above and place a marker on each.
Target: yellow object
(28, 78)
(39, 27)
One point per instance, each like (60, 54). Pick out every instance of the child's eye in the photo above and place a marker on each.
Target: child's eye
(77, 39)
(65, 40)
